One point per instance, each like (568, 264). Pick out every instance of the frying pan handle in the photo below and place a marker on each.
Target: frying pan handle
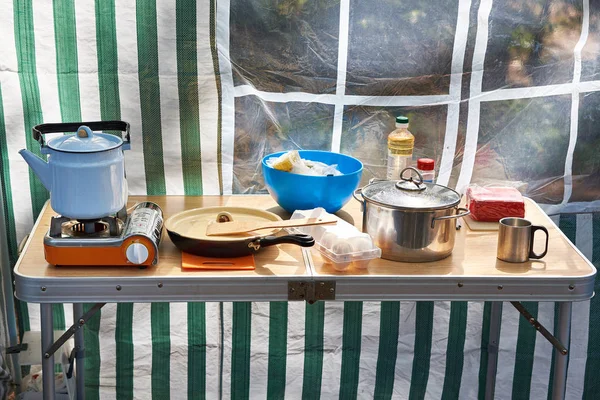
(300, 240)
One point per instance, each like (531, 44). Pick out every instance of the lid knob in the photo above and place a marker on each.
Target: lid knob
(224, 216)
(84, 132)
(409, 183)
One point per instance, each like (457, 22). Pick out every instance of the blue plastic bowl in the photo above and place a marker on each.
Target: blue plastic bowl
(303, 192)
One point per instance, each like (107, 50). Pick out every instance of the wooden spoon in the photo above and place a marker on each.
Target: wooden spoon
(235, 227)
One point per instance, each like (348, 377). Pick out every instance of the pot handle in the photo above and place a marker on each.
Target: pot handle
(361, 201)
(355, 195)
(299, 240)
(462, 213)
(39, 130)
(359, 191)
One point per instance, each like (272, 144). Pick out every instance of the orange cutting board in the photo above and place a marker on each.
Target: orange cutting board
(192, 262)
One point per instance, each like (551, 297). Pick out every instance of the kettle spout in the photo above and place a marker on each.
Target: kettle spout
(40, 167)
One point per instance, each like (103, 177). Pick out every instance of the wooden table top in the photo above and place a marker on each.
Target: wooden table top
(474, 251)
(474, 254)
(281, 261)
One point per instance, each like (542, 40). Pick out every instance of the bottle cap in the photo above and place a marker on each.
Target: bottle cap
(401, 120)
(425, 164)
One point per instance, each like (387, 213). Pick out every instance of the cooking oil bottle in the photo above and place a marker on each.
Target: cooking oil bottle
(400, 149)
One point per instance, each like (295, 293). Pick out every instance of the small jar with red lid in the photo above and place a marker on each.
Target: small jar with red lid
(426, 167)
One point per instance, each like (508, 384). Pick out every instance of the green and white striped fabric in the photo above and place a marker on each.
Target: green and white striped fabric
(344, 350)
(330, 349)
(209, 87)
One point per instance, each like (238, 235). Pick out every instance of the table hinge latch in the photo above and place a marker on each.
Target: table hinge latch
(311, 291)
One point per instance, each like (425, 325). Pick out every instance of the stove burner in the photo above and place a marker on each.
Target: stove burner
(71, 228)
(86, 228)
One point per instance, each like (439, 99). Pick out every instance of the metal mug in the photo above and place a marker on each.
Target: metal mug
(515, 240)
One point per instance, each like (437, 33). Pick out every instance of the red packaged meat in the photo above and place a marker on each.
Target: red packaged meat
(491, 204)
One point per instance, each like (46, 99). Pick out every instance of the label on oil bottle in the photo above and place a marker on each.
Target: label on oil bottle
(395, 165)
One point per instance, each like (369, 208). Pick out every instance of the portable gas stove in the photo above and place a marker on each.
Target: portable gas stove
(121, 239)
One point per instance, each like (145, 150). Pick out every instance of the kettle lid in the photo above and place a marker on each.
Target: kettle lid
(85, 141)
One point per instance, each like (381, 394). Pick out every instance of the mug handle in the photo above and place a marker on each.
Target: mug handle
(531, 252)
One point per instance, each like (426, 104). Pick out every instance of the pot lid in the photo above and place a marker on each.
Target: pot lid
(85, 141)
(192, 223)
(411, 194)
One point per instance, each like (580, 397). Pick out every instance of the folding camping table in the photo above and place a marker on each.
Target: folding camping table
(288, 272)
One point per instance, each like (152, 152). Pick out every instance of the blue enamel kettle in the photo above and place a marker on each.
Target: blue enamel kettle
(85, 171)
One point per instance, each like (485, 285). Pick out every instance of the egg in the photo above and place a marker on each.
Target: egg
(328, 240)
(341, 247)
(360, 243)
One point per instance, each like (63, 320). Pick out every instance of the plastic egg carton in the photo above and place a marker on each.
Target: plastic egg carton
(341, 244)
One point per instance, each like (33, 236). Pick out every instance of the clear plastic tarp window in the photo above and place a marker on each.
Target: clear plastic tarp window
(498, 92)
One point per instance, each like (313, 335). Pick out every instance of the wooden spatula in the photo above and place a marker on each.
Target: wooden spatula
(235, 227)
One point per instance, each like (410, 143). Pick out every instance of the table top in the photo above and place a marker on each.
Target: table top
(472, 272)
(277, 263)
(474, 254)
(471, 269)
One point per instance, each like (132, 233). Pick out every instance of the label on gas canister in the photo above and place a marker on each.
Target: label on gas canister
(145, 221)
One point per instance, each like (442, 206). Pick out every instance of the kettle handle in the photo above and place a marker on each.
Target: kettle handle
(40, 130)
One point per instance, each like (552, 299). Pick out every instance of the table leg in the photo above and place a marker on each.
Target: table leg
(47, 326)
(493, 341)
(80, 348)
(561, 361)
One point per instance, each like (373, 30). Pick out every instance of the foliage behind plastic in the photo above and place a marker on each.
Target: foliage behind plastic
(400, 48)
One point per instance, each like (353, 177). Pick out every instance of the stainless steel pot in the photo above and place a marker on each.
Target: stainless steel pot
(410, 220)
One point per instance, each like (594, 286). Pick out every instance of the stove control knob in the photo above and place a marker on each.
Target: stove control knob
(136, 253)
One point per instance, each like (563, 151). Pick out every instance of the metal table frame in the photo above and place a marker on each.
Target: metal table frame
(311, 287)
(150, 290)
